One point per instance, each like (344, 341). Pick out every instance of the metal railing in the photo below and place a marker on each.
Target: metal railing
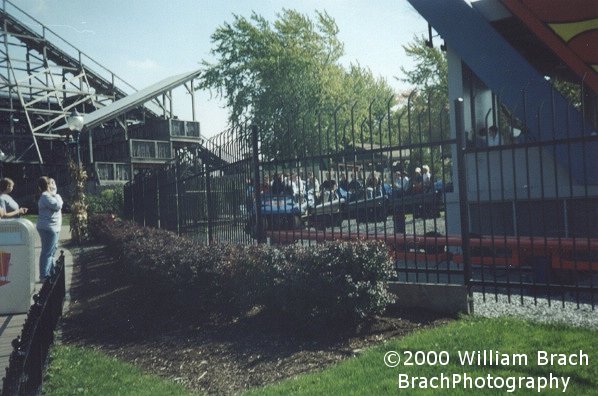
(501, 219)
(28, 361)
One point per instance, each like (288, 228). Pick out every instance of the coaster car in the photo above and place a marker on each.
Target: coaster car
(365, 204)
(422, 204)
(375, 205)
(326, 212)
(283, 212)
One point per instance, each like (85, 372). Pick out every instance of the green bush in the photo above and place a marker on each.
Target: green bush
(321, 286)
(311, 288)
(110, 200)
(156, 256)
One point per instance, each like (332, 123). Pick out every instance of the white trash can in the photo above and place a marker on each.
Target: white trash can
(17, 265)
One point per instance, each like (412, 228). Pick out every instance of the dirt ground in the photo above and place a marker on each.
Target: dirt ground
(207, 353)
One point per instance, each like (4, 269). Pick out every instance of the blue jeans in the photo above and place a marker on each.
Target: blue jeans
(49, 240)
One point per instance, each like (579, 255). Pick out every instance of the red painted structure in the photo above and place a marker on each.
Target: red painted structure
(563, 253)
(569, 28)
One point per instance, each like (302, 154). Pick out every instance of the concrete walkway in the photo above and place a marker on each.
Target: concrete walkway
(11, 325)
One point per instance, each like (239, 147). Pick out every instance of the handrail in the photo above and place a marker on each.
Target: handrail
(44, 29)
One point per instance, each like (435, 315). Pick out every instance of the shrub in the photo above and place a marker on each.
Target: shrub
(336, 283)
(100, 226)
(311, 288)
(110, 200)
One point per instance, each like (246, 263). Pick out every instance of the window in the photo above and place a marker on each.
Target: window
(164, 150)
(177, 128)
(192, 128)
(141, 149)
(122, 172)
(105, 171)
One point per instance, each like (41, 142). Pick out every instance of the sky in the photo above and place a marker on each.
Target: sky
(145, 41)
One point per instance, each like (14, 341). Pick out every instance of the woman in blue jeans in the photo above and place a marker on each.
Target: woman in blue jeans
(49, 222)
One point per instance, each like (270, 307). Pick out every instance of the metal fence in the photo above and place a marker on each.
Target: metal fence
(501, 214)
(202, 199)
(29, 358)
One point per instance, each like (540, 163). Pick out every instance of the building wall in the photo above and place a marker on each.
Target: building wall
(512, 190)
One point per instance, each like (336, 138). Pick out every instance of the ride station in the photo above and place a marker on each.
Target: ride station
(527, 197)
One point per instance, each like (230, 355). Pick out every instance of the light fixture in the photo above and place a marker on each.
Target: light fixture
(75, 121)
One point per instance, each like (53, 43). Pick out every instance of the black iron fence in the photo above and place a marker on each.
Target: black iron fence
(24, 375)
(201, 194)
(495, 207)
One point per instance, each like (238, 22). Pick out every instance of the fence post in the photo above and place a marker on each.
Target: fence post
(144, 206)
(158, 222)
(209, 204)
(127, 208)
(463, 207)
(176, 196)
(131, 201)
(257, 202)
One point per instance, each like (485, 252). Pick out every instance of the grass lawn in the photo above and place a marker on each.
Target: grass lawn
(368, 374)
(66, 218)
(75, 371)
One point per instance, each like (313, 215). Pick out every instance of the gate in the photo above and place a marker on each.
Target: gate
(497, 213)
(201, 194)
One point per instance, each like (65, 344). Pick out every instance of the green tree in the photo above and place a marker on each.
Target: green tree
(430, 79)
(370, 99)
(427, 108)
(430, 75)
(285, 77)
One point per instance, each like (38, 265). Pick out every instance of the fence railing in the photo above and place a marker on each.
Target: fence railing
(501, 215)
(24, 375)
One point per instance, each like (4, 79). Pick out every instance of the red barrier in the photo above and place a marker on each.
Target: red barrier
(563, 253)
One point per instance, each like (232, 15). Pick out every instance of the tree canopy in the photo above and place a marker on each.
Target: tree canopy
(430, 75)
(283, 76)
(428, 107)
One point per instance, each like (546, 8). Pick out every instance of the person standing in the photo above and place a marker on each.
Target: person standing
(426, 178)
(312, 183)
(373, 185)
(494, 137)
(401, 182)
(277, 184)
(298, 186)
(48, 224)
(344, 183)
(54, 191)
(406, 184)
(9, 208)
(418, 181)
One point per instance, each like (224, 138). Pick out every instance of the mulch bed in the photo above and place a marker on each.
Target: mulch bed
(207, 352)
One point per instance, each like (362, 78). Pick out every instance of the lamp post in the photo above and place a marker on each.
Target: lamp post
(76, 122)
(2, 157)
